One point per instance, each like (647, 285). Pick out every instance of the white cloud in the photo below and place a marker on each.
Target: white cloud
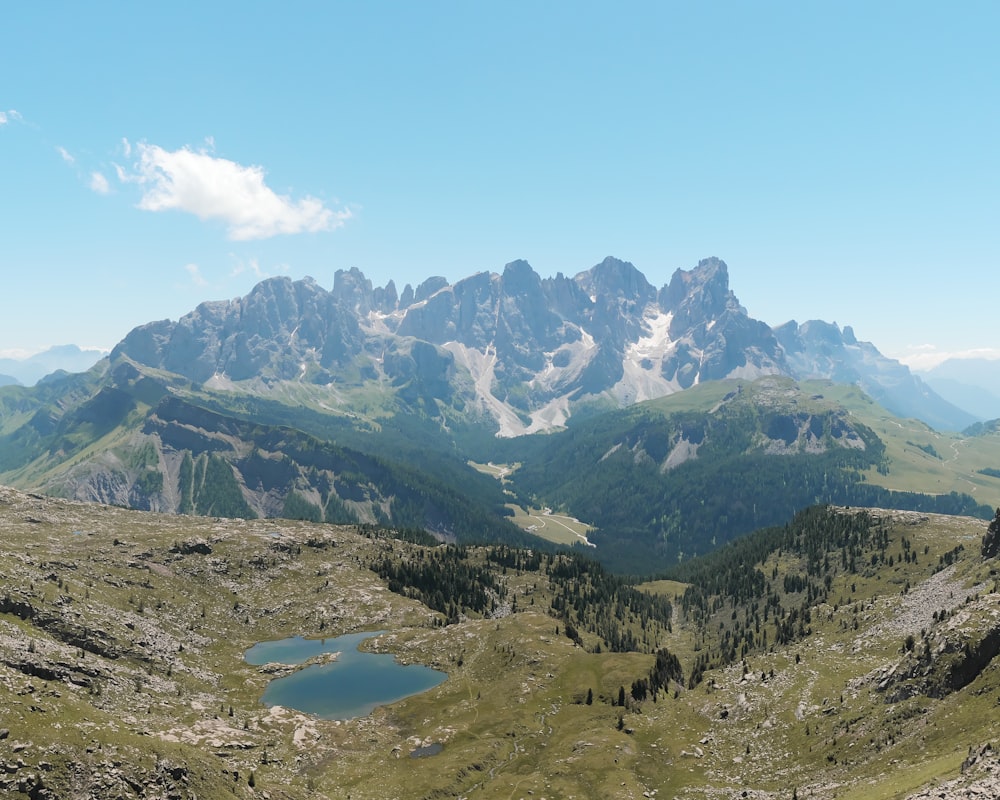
(99, 183)
(196, 277)
(10, 116)
(66, 155)
(927, 356)
(216, 188)
(251, 265)
(19, 353)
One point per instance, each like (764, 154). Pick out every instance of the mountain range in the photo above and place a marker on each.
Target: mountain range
(824, 592)
(517, 349)
(972, 384)
(667, 420)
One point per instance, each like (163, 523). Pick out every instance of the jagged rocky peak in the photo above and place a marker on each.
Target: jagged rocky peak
(566, 297)
(386, 299)
(704, 289)
(814, 338)
(699, 296)
(428, 287)
(526, 323)
(787, 335)
(619, 294)
(352, 289)
(616, 278)
(717, 338)
(520, 279)
(260, 335)
(442, 313)
(274, 306)
(820, 331)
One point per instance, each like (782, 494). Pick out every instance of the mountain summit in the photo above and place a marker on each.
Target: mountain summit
(513, 347)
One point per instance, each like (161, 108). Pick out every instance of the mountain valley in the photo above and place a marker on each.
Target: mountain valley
(666, 421)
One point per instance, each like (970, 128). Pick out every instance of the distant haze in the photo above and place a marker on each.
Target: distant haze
(28, 371)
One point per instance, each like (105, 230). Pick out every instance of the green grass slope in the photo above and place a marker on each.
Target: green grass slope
(674, 478)
(919, 458)
(844, 655)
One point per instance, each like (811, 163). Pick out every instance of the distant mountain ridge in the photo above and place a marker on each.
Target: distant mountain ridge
(65, 358)
(523, 351)
(818, 349)
(970, 383)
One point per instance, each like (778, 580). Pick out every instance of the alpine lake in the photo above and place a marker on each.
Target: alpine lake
(348, 686)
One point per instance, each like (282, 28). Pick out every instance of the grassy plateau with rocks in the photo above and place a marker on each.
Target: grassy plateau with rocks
(853, 667)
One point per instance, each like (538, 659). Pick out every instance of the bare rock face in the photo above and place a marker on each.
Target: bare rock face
(525, 345)
(991, 540)
(263, 335)
(192, 546)
(699, 296)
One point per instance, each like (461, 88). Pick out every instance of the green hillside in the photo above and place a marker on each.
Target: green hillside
(919, 458)
(149, 442)
(649, 486)
(667, 480)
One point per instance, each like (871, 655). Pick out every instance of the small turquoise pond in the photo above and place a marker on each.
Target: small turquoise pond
(349, 687)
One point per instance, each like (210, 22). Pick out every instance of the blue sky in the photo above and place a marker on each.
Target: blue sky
(842, 158)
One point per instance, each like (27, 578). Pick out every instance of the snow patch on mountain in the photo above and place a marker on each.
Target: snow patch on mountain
(642, 365)
(383, 324)
(658, 343)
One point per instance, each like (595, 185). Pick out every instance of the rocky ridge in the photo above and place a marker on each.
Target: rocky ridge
(522, 350)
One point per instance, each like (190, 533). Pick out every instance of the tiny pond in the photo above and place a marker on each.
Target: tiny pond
(344, 689)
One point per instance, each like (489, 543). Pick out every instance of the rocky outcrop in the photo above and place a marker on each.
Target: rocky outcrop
(266, 334)
(979, 778)
(61, 627)
(990, 547)
(946, 660)
(95, 779)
